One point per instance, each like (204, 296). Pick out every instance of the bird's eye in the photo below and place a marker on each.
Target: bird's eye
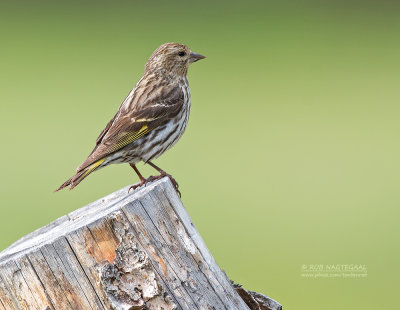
(181, 54)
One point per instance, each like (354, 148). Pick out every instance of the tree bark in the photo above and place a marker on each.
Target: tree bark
(124, 251)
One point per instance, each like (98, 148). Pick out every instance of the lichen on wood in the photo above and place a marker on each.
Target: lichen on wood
(130, 281)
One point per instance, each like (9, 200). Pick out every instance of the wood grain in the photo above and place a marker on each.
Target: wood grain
(136, 250)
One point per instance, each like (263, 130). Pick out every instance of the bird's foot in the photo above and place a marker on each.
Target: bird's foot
(164, 174)
(173, 181)
(155, 178)
(135, 186)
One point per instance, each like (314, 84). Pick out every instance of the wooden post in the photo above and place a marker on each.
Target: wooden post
(124, 251)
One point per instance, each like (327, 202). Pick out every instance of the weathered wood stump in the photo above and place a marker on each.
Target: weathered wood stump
(124, 251)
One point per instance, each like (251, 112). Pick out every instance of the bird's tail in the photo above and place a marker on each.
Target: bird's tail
(80, 175)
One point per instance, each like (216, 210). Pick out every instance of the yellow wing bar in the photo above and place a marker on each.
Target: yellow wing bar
(126, 138)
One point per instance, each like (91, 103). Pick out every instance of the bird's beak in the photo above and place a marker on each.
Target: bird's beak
(195, 57)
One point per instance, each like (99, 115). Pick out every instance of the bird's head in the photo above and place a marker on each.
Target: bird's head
(173, 58)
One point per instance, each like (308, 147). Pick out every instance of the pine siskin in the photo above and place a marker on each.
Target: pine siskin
(150, 120)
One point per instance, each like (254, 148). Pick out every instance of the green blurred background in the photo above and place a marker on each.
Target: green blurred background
(291, 156)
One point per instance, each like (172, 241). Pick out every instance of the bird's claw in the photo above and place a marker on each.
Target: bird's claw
(154, 178)
(135, 186)
(174, 183)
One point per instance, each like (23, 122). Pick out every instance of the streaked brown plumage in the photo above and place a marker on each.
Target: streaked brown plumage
(150, 120)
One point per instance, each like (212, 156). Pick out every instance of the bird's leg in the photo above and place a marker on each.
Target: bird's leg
(164, 174)
(142, 179)
(153, 178)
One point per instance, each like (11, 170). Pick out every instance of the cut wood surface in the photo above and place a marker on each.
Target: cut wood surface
(135, 250)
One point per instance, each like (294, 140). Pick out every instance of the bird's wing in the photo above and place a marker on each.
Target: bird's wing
(130, 124)
(102, 134)
(105, 130)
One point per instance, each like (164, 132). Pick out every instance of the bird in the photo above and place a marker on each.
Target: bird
(150, 120)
